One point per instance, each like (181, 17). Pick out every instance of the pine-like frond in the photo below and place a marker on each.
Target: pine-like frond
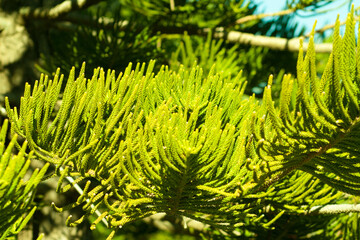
(176, 142)
(318, 130)
(16, 193)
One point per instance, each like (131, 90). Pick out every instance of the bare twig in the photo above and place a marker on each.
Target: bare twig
(264, 15)
(3, 111)
(275, 43)
(57, 11)
(172, 5)
(334, 209)
(329, 26)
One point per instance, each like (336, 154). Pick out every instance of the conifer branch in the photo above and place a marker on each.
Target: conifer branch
(275, 43)
(81, 192)
(17, 191)
(328, 123)
(188, 144)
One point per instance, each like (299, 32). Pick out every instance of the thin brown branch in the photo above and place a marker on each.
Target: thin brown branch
(57, 11)
(264, 15)
(329, 26)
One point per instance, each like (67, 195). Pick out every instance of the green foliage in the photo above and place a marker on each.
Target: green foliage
(147, 139)
(212, 53)
(16, 193)
(134, 34)
(187, 142)
(113, 47)
(207, 13)
(317, 131)
(141, 31)
(252, 61)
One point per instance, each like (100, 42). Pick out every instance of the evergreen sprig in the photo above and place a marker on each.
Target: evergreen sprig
(16, 193)
(192, 145)
(317, 130)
